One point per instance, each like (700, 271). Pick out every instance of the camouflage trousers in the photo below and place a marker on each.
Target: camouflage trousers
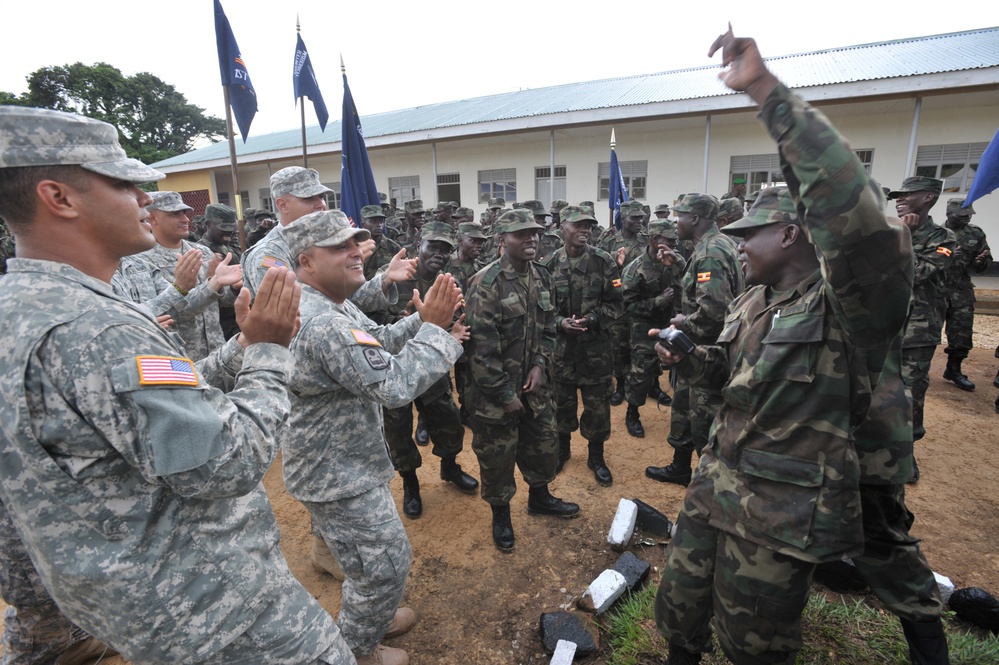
(642, 373)
(371, 544)
(755, 595)
(594, 424)
(916, 376)
(690, 427)
(34, 629)
(462, 379)
(443, 423)
(680, 435)
(527, 441)
(620, 335)
(892, 565)
(959, 323)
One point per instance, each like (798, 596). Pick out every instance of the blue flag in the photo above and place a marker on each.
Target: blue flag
(357, 183)
(242, 98)
(987, 176)
(617, 193)
(306, 84)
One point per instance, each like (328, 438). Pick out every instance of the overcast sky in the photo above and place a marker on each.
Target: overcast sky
(403, 54)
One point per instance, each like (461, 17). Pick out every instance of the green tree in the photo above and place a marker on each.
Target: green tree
(154, 120)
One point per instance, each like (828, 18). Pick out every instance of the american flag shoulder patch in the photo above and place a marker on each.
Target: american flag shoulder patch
(704, 276)
(166, 371)
(364, 338)
(616, 283)
(944, 251)
(271, 262)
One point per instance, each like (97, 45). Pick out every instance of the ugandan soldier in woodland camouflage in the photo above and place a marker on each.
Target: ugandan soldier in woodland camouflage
(650, 292)
(373, 221)
(464, 264)
(933, 247)
(222, 238)
(510, 311)
(972, 254)
(777, 487)
(588, 305)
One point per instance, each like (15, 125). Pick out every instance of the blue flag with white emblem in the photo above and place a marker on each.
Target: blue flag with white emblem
(242, 97)
(357, 183)
(617, 193)
(987, 176)
(306, 84)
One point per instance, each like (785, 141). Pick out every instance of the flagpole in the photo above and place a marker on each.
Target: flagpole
(235, 173)
(301, 103)
(610, 224)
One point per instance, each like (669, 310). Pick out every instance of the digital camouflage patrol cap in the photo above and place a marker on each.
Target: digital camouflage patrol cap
(41, 137)
(167, 202)
(512, 221)
(918, 183)
(704, 206)
(297, 181)
(774, 205)
(326, 228)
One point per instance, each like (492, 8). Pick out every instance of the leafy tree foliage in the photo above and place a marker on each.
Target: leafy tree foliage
(154, 120)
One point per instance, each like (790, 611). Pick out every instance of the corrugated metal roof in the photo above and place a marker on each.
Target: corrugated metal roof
(975, 49)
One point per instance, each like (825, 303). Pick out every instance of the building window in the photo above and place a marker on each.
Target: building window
(757, 171)
(866, 158)
(543, 183)
(635, 175)
(403, 189)
(955, 164)
(266, 203)
(332, 198)
(498, 183)
(226, 199)
(449, 187)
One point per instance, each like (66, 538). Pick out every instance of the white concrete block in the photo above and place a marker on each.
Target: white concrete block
(623, 525)
(604, 590)
(564, 653)
(946, 586)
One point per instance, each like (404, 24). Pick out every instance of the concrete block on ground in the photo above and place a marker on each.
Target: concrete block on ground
(651, 522)
(572, 627)
(634, 570)
(945, 585)
(623, 525)
(603, 591)
(564, 653)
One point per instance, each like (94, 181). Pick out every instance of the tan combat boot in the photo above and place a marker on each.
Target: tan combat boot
(324, 561)
(85, 652)
(384, 655)
(401, 623)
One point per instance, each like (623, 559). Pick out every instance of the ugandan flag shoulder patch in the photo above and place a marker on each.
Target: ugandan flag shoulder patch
(704, 276)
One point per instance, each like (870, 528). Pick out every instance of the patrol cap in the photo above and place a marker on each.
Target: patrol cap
(463, 212)
(297, 181)
(752, 196)
(382, 197)
(557, 205)
(167, 202)
(774, 205)
(41, 137)
(512, 221)
(371, 211)
(632, 209)
(250, 213)
(730, 206)
(454, 204)
(496, 203)
(325, 228)
(442, 206)
(577, 214)
(221, 216)
(918, 183)
(954, 207)
(536, 207)
(414, 206)
(438, 231)
(517, 205)
(662, 227)
(702, 205)
(472, 230)
(663, 207)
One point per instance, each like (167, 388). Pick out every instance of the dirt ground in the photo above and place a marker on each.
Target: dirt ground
(477, 605)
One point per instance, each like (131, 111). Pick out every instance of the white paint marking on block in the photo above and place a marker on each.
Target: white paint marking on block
(604, 590)
(623, 525)
(564, 653)
(946, 586)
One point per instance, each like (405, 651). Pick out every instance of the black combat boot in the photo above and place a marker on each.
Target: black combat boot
(541, 502)
(596, 462)
(927, 642)
(633, 422)
(617, 397)
(422, 435)
(564, 451)
(502, 528)
(953, 373)
(412, 504)
(452, 473)
(914, 478)
(680, 656)
(995, 381)
(660, 395)
(677, 471)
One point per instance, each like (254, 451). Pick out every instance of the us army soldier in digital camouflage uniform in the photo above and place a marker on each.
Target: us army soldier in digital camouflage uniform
(777, 487)
(130, 478)
(335, 460)
(510, 310)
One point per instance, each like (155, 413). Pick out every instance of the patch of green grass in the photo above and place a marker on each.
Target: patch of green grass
(837, 630)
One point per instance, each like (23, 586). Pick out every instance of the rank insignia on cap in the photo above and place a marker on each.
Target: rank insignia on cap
(616, 283)
(166, 371)
(704, 277)
(364, 338)
(271, 262)
(944, 251)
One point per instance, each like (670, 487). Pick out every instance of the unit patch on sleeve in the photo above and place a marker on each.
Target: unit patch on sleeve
(376, 359)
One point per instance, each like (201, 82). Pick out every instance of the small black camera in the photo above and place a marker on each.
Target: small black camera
(675, 341)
